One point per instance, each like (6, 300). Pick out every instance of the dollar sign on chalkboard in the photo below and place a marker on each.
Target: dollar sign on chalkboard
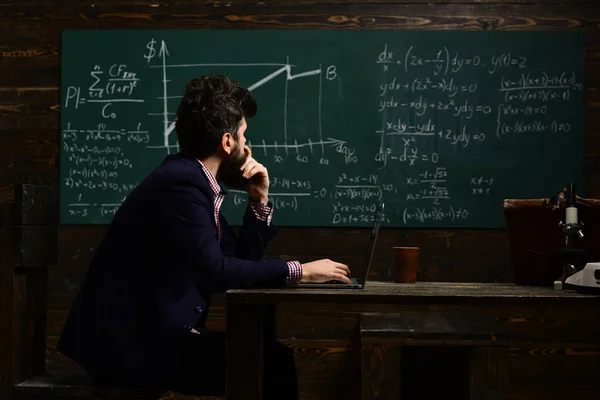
(151, 50)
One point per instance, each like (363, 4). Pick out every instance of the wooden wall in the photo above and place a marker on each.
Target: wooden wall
(29, 151)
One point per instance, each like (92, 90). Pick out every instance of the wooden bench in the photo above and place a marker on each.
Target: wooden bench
(28, 248)
(384, 336)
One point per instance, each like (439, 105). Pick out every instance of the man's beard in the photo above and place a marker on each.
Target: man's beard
(229, 170)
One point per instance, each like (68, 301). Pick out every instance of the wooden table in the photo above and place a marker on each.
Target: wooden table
(525, 314)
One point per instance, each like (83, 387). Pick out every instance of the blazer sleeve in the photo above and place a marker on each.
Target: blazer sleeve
(190, 224)
(253, 237)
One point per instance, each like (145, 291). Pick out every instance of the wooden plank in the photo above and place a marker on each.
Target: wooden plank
(29, 109)
(553, 391)
(558, 323)
(422, 327)
(381, 370)
(8, 340)
(23, 343)
(28, 163)
(409, 324)
(28, 156)
(29, 57)
(14, 362)
(249, 326)
(36, 319)
(550, 371)
(418, 328)
(489, 373)
(543, 364)
(326, 360)
(170, 3)
(35, 246)
(37, 205)
(395, 16)
(421, 293)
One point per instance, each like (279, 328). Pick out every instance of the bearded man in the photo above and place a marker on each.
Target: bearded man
(139, 318)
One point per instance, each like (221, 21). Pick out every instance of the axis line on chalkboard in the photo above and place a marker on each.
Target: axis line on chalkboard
(223, 65)
(285, 68)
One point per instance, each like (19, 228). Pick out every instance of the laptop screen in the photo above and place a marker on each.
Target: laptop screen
(372, 240)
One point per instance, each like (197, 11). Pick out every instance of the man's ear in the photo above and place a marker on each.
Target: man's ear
(227, 142)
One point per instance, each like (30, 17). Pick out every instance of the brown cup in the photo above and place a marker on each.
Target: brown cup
(406, 264)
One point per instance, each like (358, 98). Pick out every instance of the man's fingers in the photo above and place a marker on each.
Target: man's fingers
(248, 167)
(341, 277)
(253, 170)
(248, 161)
(343, 267)
(246, 170)
(344, 270)
(250, 171)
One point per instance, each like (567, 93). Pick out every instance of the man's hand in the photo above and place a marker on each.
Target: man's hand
(325, 270)
(258, 178)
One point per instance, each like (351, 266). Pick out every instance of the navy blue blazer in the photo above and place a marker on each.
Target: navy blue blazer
(153, 274)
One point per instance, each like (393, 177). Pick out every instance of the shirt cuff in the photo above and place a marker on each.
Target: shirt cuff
(262, 212)
(295, 272)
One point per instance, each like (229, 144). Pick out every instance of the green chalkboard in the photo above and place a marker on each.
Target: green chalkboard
(442, 126)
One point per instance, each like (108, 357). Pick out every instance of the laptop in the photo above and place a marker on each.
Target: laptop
(357, 283)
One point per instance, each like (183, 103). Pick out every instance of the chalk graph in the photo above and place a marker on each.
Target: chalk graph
(282, 70)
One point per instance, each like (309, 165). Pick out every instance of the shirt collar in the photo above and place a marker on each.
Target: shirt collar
(212, 181)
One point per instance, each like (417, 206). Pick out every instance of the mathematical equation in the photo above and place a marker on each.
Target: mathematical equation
(98, 161)
(88, 209)
(409, 134)
(107, 135)
(114, 85)
(532, 127)
(445, 62)
(541, 81)
(450, 87)
(354, 198)
(424, 214)
(424, 102)
(421, 106)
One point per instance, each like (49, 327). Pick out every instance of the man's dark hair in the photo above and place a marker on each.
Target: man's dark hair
(211, 106)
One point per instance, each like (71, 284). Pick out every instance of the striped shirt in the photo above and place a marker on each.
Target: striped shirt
(263, 212)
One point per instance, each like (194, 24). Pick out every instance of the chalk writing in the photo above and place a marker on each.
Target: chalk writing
(481, 185)
(428, 125)
(423, 215)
